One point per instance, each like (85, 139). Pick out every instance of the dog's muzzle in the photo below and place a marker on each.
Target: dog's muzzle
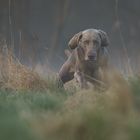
(92, 56)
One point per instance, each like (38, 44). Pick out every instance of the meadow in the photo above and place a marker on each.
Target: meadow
(35, 108)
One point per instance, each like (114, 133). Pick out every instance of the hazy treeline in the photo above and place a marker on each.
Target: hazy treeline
(42, 28)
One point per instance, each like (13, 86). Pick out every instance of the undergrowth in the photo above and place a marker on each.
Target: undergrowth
(32, 108)
(56, 114)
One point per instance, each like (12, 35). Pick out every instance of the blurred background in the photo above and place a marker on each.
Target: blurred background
(38, 30)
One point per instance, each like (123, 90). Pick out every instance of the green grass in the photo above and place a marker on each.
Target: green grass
(135, 87)
(58, 114)
(15, 105)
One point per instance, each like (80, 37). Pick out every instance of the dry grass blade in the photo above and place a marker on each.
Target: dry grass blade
(14, 75)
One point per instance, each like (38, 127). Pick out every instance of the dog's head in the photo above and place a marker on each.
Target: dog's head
(89, 41)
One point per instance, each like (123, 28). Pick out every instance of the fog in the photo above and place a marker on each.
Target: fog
(39, 30)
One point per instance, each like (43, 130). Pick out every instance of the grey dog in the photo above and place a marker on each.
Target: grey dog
(88, 57)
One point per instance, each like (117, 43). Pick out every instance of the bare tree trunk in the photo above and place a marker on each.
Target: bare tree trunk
(61, 14)
(21, 28)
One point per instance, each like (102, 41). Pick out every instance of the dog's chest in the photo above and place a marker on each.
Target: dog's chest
(87, 68)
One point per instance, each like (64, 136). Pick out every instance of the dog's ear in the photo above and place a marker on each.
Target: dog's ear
(73, 43)
(104, 38)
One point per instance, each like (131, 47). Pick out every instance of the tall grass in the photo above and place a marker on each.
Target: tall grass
(32, 108)
(15, 76)
(58, 115)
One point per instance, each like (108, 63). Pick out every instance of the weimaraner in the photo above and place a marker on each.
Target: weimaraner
(89, 55)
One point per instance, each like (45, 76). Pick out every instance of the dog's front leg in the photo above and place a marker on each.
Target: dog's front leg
(79, 76)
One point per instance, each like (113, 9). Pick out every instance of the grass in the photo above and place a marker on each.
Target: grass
(15, 106)
(38, 109)
(56, 114)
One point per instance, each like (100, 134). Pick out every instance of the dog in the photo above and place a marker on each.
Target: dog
(88, 58)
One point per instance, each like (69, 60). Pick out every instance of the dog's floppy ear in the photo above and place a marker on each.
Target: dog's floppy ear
(73, 43)
(104, 38)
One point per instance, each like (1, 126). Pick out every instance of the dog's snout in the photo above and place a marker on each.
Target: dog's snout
(92, 56)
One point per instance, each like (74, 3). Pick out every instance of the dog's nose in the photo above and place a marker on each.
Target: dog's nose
(92, 56)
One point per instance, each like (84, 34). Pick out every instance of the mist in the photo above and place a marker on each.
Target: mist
(38, 30)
